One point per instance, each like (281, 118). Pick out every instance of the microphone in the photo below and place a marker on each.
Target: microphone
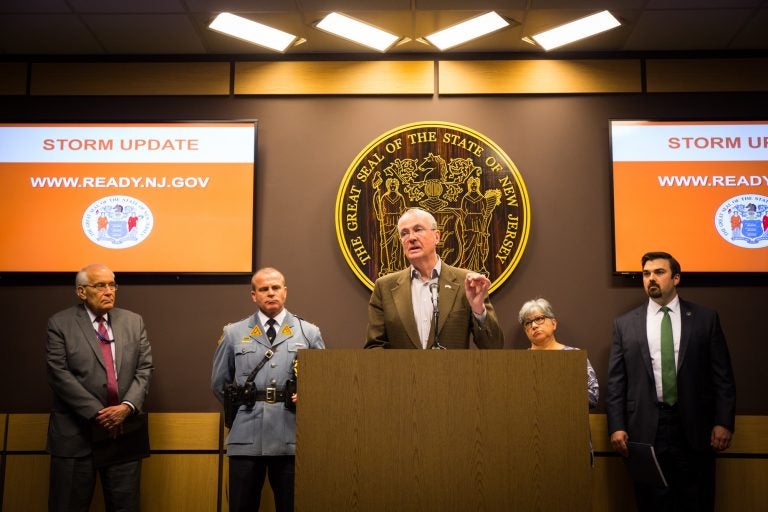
(433, 290)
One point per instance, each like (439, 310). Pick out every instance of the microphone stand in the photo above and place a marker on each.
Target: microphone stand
(436, 317)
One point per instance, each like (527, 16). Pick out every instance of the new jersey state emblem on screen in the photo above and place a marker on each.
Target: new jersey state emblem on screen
(117, 222)
(473, 189)
(743, 221)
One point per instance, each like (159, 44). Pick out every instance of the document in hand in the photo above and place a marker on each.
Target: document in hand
(643, 465)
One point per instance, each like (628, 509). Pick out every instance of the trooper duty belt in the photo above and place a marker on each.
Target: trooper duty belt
(270, 395)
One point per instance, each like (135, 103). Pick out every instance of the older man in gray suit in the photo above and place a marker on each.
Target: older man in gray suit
(99, 366)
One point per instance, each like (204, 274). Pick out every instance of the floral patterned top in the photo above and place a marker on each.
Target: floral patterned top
(593, 389)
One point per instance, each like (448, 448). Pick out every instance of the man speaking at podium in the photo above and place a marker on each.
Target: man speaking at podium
(405, 305)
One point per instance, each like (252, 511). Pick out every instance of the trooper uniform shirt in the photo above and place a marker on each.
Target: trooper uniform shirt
(267, 428)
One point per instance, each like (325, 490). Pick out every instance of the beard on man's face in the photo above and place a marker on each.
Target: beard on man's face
(654, 291)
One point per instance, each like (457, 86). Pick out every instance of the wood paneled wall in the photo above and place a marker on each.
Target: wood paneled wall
(540, 77)
(334, 78)
(470, 77)
(187, 471)
(742, 470)
(183, 472)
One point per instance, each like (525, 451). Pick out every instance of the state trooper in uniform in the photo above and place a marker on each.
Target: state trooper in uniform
(262, 438)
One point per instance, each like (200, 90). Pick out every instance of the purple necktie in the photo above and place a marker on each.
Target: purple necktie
(106, 350)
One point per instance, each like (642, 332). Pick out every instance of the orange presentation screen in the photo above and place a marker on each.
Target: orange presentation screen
(697, 190)
(139, 197)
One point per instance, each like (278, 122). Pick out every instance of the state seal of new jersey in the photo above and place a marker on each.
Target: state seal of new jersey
(743, 221)
(117, 222)
(469, 184)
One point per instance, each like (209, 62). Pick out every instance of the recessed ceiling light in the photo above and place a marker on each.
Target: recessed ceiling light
(252, 31)
(357, 31)
(467, 30)
(576, 30)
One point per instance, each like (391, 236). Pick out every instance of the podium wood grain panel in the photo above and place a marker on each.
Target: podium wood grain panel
(393, 430)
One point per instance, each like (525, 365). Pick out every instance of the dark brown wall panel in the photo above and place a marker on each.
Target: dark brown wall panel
(707, 75)
(130, 78)
(13, 78)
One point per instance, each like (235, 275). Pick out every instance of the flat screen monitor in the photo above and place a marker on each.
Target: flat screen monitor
(141, 197)
(695, 189)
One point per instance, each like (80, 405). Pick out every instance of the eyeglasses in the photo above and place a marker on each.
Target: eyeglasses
(100, 287)
(534, 321)
(418, 231)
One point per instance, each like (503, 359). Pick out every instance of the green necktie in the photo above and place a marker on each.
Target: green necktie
(668, 371)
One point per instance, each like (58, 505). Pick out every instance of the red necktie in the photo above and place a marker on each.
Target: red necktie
(106, 350)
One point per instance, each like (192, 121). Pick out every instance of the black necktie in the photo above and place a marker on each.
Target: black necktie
(271, 333)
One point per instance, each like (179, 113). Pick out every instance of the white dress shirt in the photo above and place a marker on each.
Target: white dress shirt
(421, 298)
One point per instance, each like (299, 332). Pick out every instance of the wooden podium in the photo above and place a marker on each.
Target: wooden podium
(429, 430)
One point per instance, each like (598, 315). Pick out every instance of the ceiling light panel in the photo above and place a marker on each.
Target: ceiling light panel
(357, 31)
(576, 30)
(252, 31)
(467, 30)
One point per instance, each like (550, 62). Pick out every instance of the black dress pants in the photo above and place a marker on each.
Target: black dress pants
(246, 479)
(690, 473)
(73, 479)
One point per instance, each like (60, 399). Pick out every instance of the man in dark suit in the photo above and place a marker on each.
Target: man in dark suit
(686, 412)
(400, 311)
(99, 366)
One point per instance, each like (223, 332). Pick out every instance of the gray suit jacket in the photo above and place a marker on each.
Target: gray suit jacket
(77, 374)
(705, 384)
(266, 428)
(391, 323)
